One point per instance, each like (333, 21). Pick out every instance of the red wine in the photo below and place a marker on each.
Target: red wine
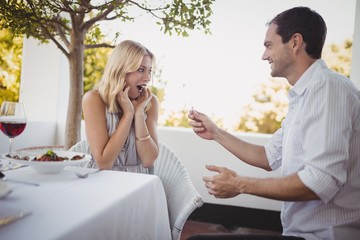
(12, 129)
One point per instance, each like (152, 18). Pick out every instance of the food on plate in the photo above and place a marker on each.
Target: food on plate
(49, 156)
(26, 158)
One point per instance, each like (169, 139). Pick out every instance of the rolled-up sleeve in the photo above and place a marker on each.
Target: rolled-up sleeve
(273, 150)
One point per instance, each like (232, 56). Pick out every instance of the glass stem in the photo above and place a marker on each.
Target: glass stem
(10, 145)
(10, 151)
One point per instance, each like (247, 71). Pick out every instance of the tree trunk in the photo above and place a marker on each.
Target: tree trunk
(76, 89)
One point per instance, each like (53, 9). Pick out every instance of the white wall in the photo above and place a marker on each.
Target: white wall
(41, 80)
(44, 89)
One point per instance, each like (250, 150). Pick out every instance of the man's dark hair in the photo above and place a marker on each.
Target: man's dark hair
(305, 21)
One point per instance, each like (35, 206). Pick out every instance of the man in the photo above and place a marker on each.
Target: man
(317, 146)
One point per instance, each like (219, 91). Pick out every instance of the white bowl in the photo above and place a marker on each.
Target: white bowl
(50, 167)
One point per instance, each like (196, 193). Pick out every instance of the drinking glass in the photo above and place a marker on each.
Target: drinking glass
(12, 120)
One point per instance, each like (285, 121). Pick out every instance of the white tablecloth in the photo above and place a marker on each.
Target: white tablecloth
(106, 205)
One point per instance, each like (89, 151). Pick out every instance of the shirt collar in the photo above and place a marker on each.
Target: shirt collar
(303, 82)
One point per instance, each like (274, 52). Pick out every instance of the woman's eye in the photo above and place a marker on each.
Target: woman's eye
(141, 70)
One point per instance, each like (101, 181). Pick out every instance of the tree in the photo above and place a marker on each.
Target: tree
(68, 23)
(10, 65)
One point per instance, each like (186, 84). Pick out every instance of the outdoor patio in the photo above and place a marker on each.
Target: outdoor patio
(47, 112)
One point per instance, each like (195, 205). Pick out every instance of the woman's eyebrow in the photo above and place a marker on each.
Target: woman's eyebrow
(150, 67)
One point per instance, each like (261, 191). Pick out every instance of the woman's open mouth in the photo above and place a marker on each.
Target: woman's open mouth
(141, 88)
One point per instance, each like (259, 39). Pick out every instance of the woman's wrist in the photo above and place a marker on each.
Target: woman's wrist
(139, 114)
(128, 115)
(141, 139)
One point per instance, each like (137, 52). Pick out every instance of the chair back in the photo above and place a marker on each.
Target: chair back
(182, 197)
(81, 147)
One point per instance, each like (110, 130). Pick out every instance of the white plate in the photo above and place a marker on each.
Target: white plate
(50, 167)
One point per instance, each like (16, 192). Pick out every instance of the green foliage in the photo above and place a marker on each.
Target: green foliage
(266, 112)
(338, 57)
(180, 119)
(10, 65)
(22, 18)
(94, 62)
(184, 15)
(51, 19)
(177, 119)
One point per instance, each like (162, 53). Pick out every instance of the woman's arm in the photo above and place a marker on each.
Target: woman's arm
(146, 134)
(104, 148)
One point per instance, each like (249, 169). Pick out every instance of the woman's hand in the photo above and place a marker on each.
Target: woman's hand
(142, 101)
(202, 125)
(125, 102)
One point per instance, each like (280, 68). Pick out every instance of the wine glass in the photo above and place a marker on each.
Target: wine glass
(12, 120)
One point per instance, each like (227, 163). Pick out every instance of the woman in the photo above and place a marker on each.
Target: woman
(121, 114)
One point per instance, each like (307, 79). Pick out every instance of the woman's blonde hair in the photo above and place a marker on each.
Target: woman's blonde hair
(125, 58)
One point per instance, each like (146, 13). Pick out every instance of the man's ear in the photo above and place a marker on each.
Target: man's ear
(297, 41)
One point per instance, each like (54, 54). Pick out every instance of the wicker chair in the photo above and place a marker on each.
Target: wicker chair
(81, 147)
(182, 197)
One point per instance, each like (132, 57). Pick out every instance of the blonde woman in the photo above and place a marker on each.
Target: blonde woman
(121, 114)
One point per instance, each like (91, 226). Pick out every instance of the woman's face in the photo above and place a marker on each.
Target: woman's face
(139, 79)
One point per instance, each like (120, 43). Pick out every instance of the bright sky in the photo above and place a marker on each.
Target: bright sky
(218, 73)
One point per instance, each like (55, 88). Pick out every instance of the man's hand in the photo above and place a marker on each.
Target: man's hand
(222, 185)
(202, 125)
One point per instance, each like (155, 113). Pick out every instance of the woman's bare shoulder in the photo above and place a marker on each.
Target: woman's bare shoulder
(92, 98)
(154, 109)
(91, 95)
(154, 100)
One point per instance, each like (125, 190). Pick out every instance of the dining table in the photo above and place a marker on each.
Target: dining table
(105, 205)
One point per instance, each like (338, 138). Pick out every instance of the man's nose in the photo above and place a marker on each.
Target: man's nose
(265, 56)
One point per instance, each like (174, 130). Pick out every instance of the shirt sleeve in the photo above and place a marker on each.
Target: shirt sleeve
(273, 150)
(326, 132)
